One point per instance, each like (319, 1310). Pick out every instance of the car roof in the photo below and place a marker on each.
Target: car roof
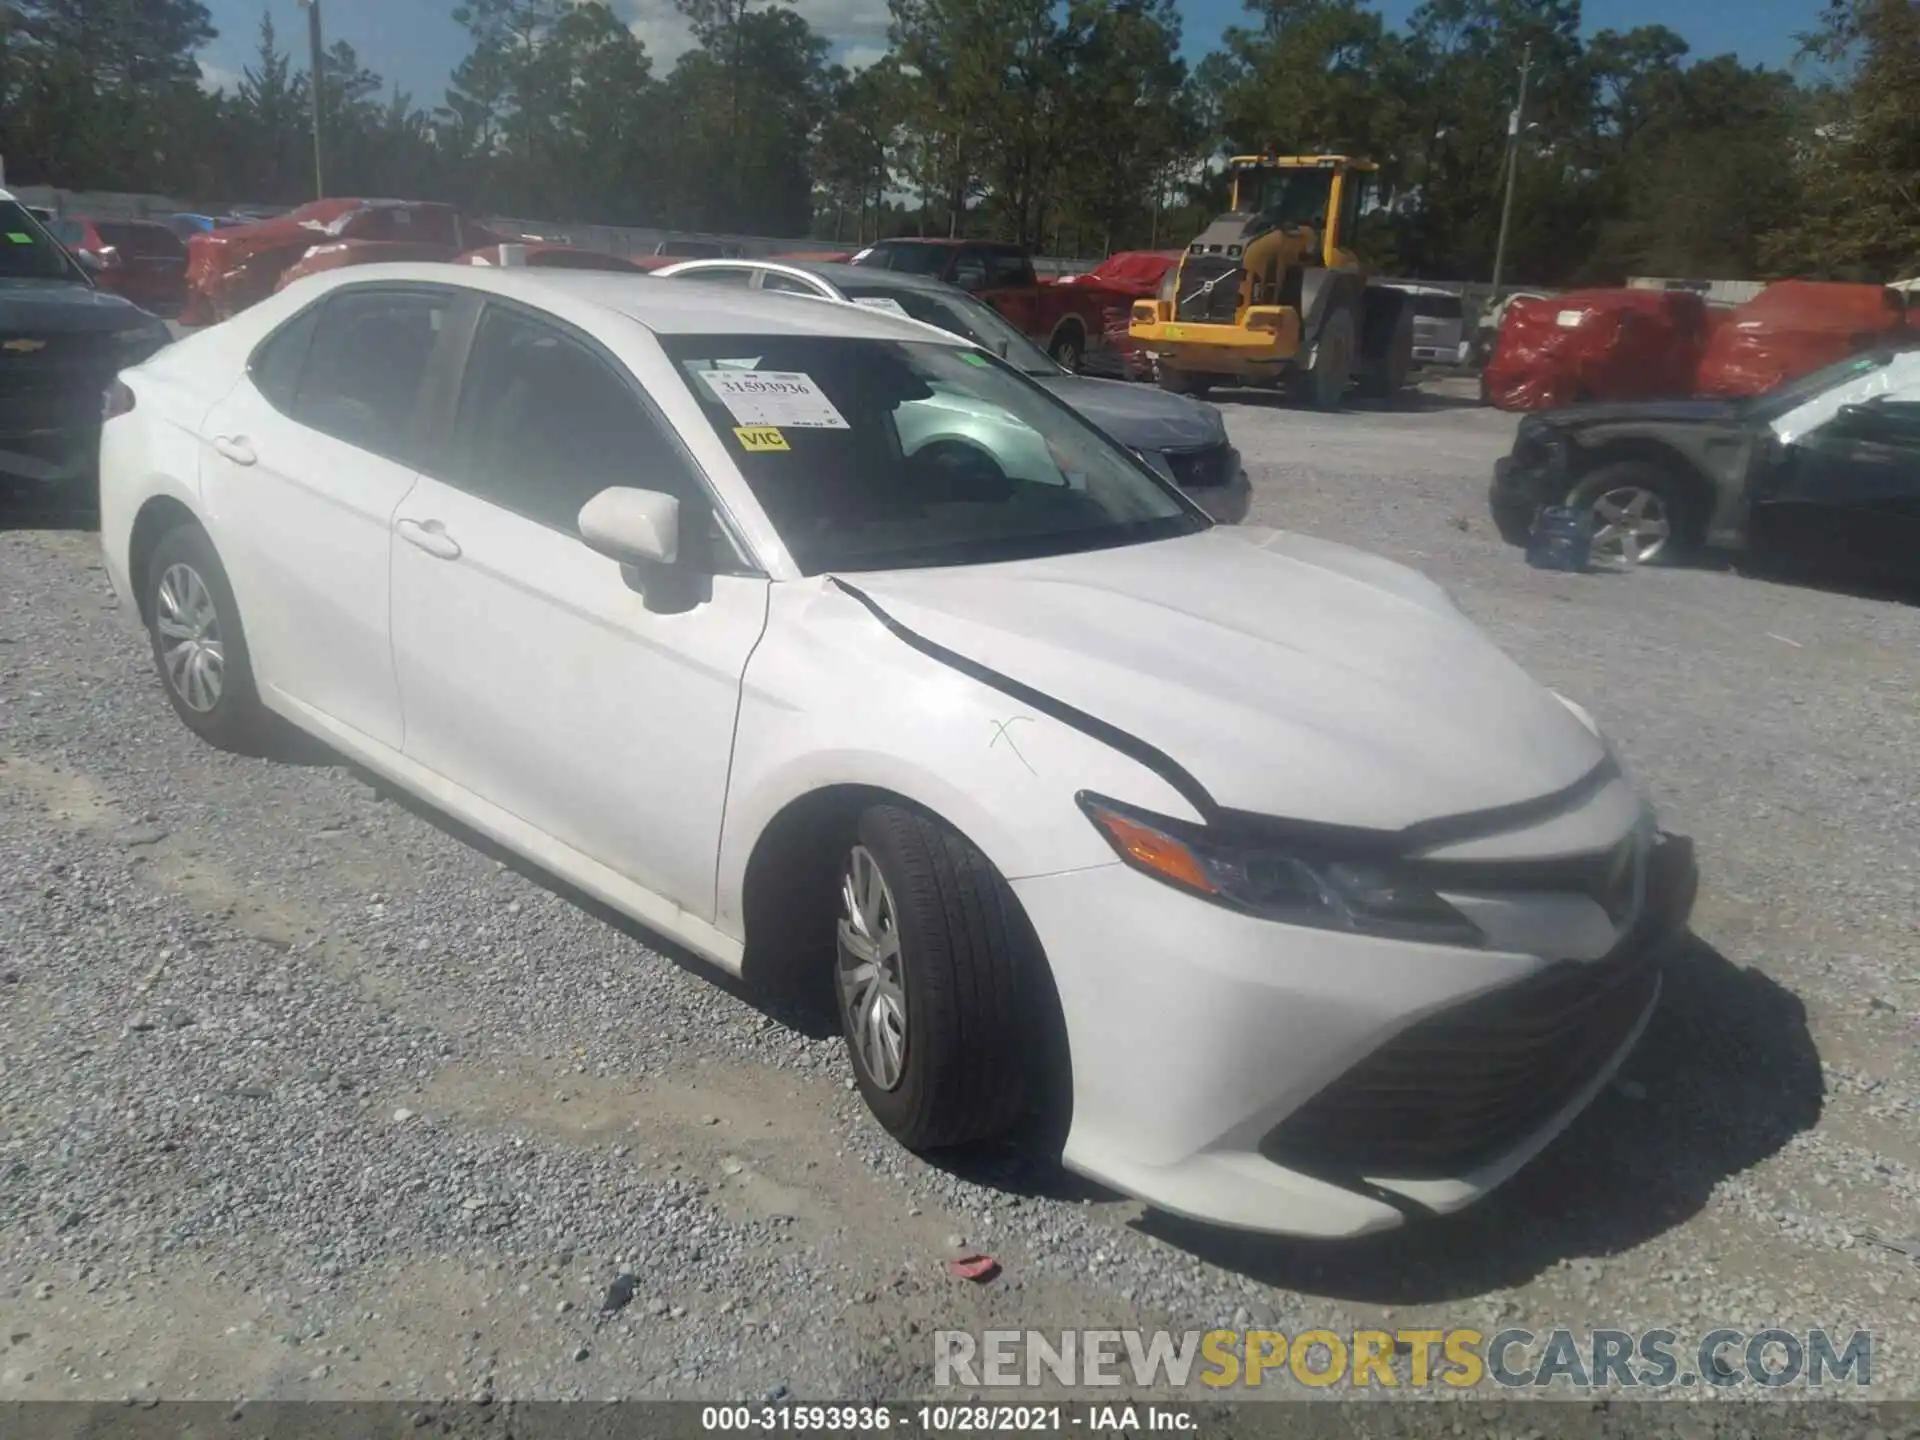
(866, 277)
(665, 309)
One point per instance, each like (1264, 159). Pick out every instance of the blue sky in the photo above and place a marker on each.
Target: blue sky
(416, 43)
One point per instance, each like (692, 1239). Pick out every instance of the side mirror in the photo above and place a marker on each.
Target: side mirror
(635, 527)
(641, 530)
(89, 262)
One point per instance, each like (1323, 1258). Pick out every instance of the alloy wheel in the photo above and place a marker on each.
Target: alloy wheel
(1633, 525)
(191, 646)
(872, 980)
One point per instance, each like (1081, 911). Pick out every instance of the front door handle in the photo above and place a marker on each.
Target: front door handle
(236, 448)
(430, 536)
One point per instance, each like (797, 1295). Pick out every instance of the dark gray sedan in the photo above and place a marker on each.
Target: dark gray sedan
(1183, 438)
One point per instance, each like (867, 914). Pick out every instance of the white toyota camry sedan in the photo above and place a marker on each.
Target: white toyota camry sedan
(835, 649)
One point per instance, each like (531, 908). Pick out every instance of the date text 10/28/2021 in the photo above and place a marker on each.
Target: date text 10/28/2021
(961, 1419)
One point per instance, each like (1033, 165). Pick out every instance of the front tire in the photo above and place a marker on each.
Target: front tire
(1069, 349)
(199, 646)
(1641, 515)
(932, 960)
(1332, 370)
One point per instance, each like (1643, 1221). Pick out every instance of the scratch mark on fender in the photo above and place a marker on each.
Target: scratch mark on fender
(1001, 729)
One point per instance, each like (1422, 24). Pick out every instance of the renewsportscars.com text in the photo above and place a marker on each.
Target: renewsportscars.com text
(1244, 1360)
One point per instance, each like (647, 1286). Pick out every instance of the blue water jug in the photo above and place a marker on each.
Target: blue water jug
(1561, 539)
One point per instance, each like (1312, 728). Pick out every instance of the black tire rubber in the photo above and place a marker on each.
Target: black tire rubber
(969, 959)
(1388, 377)
(1684, 526)
(237, 721)
(1181, 382)
(1332, 369)
(1069, 349)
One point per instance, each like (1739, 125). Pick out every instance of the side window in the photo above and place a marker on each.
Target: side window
(785, 284)
(545, 425)
(364, 370)
(970, 270)
(68, 232)
(738, 276)
(277, 363)
(1008, 267)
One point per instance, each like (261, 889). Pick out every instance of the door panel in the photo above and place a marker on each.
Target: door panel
(532, 673)
(1851, 488)
(304, 507)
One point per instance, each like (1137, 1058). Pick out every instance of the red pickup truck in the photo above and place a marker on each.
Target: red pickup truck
(1068, 321)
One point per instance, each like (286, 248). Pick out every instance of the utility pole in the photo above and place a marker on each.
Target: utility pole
(1516, 127)
(315, 70)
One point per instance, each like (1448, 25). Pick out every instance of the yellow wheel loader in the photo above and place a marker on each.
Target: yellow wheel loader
(1269, 293)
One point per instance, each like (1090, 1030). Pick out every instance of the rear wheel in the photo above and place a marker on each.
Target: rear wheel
(1185, 382)
(1069, 348)
(933, 964)
(1387, 376)
(199, 647)
(1332, 369)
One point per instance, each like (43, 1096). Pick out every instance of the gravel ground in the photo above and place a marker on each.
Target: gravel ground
(308, 1095)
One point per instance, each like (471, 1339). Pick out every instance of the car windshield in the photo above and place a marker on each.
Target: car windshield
(1287, 198)
(882, 454)
(960, 314)
(28, 252)
(913, 259)
(1777, 402)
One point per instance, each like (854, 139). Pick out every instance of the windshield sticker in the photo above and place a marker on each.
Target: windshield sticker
(1569, 319)
(881, 302)
(17, 238)
(760, 438)
(787, 399)
(973, 357)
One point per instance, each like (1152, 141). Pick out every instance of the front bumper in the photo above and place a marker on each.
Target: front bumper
(1220, 349)
(1282, 1079)
(1517, 494)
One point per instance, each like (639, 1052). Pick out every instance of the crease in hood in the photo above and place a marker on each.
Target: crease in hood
(1292, 677)
(1141, 417)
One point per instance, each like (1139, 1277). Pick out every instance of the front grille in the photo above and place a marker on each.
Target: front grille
(62, 363)
(1204, 466)
(1208, 291)
(1464, 1087)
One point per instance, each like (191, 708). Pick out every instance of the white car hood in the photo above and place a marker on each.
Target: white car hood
(1290, 676)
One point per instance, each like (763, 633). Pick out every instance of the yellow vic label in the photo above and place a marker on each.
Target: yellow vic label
(760, 437)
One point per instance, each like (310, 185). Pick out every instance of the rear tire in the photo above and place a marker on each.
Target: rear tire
(1387, 377)
(1332, 369)
(1185, 382)
(199, 645)
(933, 966)
(1069, 349)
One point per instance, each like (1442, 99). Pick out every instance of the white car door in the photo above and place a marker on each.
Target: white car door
(533, 674)
(302, 468)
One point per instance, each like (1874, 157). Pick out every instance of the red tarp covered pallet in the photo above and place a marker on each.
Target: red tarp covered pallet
(1597, 345)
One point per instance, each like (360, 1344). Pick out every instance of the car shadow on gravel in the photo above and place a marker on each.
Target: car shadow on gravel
(808, 1011)
(1726, 1074)
(25, 512)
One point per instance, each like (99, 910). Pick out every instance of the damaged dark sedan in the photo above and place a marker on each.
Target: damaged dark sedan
(1830, 461)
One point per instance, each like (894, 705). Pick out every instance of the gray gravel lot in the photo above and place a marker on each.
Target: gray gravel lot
(304, 1094)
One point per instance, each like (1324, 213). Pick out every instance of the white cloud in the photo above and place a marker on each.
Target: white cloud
(215, 78)
(856, 28)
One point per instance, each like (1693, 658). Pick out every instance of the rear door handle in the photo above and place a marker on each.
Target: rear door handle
(430, 536)
(236, 448)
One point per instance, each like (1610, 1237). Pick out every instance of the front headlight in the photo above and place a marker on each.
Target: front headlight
(1292, 888)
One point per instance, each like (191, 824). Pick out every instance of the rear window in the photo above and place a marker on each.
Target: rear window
(27, 251)
(146, 241)
(1437, 307)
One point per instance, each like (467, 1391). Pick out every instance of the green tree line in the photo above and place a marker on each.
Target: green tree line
(1073, 125)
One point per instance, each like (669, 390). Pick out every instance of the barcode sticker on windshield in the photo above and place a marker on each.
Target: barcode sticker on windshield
(881, 302)
(787, 399)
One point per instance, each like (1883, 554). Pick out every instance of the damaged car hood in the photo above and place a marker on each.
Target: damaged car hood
(1290, 676)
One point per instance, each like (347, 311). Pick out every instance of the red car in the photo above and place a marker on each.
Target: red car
(142, 260)
(1067, 321)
